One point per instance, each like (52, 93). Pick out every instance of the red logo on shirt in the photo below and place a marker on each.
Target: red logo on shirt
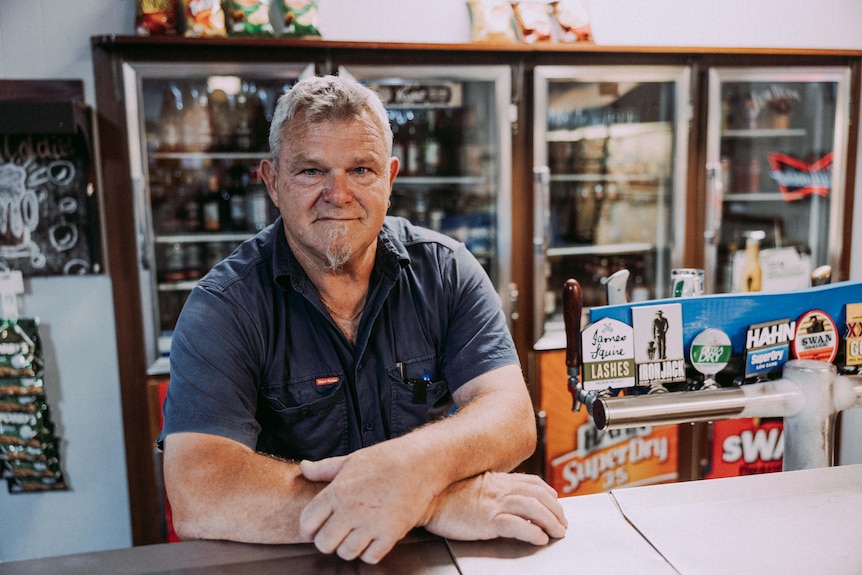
(325, 380)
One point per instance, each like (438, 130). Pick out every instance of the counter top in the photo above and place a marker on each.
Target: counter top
(792, 522)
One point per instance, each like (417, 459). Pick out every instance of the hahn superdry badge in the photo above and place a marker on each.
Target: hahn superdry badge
(767, 346)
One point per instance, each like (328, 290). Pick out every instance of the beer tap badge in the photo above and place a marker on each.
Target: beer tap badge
(710, 352)
(659, 354)
(608, 355)
(816, 337)
(767, 346)
(853, 337)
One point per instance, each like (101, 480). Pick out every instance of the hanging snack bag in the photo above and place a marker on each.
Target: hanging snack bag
(300, 18)
(492, 21)
(534, 21)
(20, 352)
(248, 18)
(574, 20)
(202, 18)
(155, 17)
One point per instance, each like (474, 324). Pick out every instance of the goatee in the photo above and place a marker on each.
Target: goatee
(337, 248)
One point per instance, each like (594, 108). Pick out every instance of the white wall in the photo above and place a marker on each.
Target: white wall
(50, 39)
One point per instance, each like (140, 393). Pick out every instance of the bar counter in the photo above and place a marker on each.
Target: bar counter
(793, 522)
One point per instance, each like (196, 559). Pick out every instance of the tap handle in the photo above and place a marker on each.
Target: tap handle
(572, 307)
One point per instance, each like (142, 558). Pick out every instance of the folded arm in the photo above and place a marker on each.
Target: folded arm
(221, 489)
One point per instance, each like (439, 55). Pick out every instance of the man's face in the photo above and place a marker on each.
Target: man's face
(332, 188)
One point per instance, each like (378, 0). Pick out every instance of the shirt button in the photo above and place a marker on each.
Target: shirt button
(369, 427)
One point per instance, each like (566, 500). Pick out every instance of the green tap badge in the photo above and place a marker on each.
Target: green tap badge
(710, 353)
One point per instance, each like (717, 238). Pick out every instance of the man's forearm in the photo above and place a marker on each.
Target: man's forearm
(219, 489)
(493, 430)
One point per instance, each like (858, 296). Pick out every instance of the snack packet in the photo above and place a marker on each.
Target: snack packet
(492, 21)
(155, 17)
(248, 18)
(300, 18)
(574, 20)
(534, 21)
(202, 18)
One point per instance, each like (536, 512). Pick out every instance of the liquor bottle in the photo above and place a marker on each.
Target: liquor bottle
(413, 149)
(194, 261)
(257, 201)
(237, 207)
(431, 153)
(188, 204)
(211, 207)
(174, 268)
(222, 124)
(243, 121)
(171, 119)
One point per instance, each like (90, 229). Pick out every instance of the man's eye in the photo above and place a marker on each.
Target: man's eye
(310, 171)
(362, 171)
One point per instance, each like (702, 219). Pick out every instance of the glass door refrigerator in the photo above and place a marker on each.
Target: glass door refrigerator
(610, 169)
(776, 148)
(197, 133)
(452, 135)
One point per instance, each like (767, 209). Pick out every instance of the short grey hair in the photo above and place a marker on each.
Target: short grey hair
(326, 99)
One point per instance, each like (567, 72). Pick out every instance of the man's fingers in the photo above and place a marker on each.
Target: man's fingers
(313, 516)
(323, 470)
(538, 514)
(515, 527)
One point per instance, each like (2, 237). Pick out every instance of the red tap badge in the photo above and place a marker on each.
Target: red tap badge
(798, 178)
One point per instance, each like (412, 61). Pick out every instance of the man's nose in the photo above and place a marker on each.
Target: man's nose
(337, 187)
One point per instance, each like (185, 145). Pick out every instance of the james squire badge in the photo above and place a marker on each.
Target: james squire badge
(659, 351)
(853, 338)
(608, 355)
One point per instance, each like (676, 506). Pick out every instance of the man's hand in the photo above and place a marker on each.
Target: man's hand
(494, 505)
(373, 500)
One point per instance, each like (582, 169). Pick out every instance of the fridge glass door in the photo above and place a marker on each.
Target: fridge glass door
(776, 147)
(197, 135)
(451, 133)
(610, 158)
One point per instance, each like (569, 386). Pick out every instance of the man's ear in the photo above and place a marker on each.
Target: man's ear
(268, 175)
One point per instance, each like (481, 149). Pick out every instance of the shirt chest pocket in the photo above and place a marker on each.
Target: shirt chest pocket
(308, 418)
(419, 394)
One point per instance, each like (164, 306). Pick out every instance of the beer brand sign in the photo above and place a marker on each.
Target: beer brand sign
(798, 178)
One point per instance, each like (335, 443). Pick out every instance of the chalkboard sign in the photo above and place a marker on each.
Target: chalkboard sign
(48, 215)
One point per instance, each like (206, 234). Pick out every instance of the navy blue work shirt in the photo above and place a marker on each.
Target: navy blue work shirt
(256, 357)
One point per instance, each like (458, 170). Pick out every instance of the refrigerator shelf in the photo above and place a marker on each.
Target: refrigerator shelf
(600, 250)
(208, 155)
(178, 286)
(764, 133)
(630, 178)
(203, 237)
(441, 180)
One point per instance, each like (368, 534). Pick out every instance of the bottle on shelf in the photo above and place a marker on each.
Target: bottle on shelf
(188, 204)
(237, 205)
(751, 275)
(194, 261)
(257, 201)
(413, 149)
(211, 207)
(432, 156)
(171, 120)
(173, 262)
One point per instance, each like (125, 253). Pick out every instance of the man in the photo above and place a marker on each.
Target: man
(315, 372)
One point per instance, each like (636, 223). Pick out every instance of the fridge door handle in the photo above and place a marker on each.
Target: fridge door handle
(140, 220)
(715, 183)
(541, 233)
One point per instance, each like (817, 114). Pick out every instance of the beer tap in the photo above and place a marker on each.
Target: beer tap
(615, 287)
(572, 307)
